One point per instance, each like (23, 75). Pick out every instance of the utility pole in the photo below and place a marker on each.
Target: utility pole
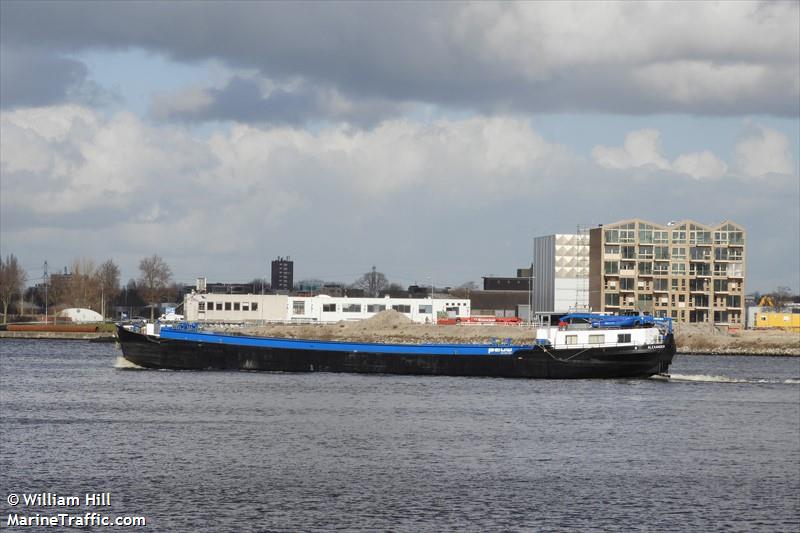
(45, 292)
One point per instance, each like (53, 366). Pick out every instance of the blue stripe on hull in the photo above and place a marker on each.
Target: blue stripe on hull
(350, 347)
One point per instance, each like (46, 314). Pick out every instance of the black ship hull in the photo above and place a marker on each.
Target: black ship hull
(542, 362)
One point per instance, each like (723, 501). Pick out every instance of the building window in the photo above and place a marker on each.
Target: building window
(425, 309)
(596, 339)
(661, 269)
(375, 308)
(351, 308)
(612, 235)
(401, 308)
(661, 237)
(201, 306)
(571, 339)
(623, 337)
(661, 285)
(679, 237)
(227, 306)
(629, 252)
(678, 269)
(328, 308)
(245, 306)
(219, 306)
(661, 252)
(236, 306)
(254, 306)
(646, 269)
(612, 299)
(299, 307)
(611, 267)
(611, 249)
(626, 284)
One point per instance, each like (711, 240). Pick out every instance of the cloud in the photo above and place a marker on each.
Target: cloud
(700, 165)
(450, 199)
(764, 152)
(642, 148)
(731, 59)
(253, 100)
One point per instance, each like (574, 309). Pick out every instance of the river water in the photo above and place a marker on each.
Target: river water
(716, 448)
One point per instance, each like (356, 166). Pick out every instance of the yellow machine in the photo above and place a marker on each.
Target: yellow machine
(778, 319)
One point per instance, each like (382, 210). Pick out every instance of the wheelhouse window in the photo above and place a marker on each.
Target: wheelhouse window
(597, 339)
(623, 337)
(571, 339)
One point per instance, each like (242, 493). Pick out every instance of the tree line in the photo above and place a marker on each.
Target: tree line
(87, 285)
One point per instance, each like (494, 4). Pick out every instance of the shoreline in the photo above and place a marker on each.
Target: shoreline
(744, 349)
(96, 336)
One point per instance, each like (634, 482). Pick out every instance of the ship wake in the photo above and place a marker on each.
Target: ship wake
(124, 364)
(705, 378)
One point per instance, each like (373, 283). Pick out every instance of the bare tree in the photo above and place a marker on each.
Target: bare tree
(463, 290)
(782, 296)
(83, 290)
(107, 276)
(12, 279)
(372, 283)
(154, 280)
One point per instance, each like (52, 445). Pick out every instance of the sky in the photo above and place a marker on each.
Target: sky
(431, 140)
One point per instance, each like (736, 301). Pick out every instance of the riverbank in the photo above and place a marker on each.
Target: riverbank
(99, 336)
(392, 327)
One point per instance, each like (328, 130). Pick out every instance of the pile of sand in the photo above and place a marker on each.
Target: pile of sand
(697, 338)
(394, 327)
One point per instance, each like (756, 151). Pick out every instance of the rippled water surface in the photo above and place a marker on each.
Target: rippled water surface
(717, 448)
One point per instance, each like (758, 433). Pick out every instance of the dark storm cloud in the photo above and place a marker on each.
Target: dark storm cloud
(32, 77)
(471, 56)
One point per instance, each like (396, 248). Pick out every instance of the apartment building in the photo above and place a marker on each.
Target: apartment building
(282, 274)
(561, 273)
(685, 270)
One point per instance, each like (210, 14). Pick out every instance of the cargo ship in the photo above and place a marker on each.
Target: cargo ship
(580, 347)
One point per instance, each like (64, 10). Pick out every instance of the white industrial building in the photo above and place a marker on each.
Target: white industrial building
(206, 307)
(561, 273)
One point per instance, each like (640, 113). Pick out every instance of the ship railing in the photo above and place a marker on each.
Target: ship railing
(603, 345)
